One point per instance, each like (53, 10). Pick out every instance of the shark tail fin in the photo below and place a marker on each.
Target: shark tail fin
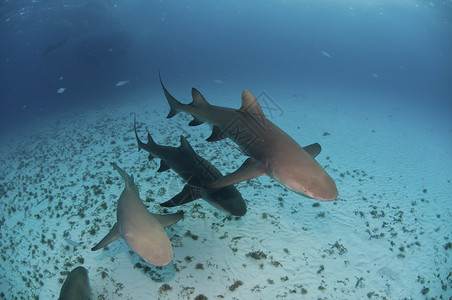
(142, 145)
(128, 179)
(173, 102)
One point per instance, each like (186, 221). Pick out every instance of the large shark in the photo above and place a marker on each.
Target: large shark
(76, 286)
(197, 172)
(271, 151)
(142, 230)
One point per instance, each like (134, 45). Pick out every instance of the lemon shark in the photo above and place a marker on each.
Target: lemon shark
(197, 172)
(271, 151)
(140, 229)
(76, 285)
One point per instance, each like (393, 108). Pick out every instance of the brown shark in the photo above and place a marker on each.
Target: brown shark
(197, 172)
(140, 229)
(76, 286)
(271, 151)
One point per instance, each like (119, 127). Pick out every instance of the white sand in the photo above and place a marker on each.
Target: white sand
(384, 237)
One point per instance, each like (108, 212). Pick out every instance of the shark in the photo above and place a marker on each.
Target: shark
(197, 172)
(270, 150)
(53, 47)
(143, 231)
(76, 285)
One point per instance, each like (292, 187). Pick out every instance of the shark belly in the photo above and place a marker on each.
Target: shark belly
(143, 233)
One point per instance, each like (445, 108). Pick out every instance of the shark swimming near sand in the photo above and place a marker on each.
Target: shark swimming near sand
(140, 229)
(271, 151)
(197, 172)
(76, 285)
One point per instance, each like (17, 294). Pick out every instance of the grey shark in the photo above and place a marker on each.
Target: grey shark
(197, 172)
(140, 229)
(53, 47)
(76, 286)
(271, 151)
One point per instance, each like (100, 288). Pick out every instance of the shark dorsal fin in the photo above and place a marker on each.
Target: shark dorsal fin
(150, 140)
(198, 99)
(163, 166)
(185, 145)
(250, 104)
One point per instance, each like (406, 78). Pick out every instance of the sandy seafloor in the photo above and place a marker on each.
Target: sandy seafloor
(387, 236)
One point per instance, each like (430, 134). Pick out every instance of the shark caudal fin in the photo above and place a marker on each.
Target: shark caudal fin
(130, 183)
(150, 148)
(147, 147)
(173, 102)
(175, 106)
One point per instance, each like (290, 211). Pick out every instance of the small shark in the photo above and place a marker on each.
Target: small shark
(271, 151)
(140, 229)
(52, 47)
(76, 286)
(197, 172)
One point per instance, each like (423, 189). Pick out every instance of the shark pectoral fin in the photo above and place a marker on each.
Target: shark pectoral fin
(313, 149)
(195, 122)
(168, 220)
(163, 166)
(188, 194)
(216, 135)
(112, 236)
(251, 168)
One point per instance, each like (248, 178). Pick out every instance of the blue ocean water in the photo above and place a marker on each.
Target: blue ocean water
(92, 45)
(369, 80)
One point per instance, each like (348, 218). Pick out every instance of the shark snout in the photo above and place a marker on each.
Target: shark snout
(320, 188)
(327, 195)
(326, 191)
